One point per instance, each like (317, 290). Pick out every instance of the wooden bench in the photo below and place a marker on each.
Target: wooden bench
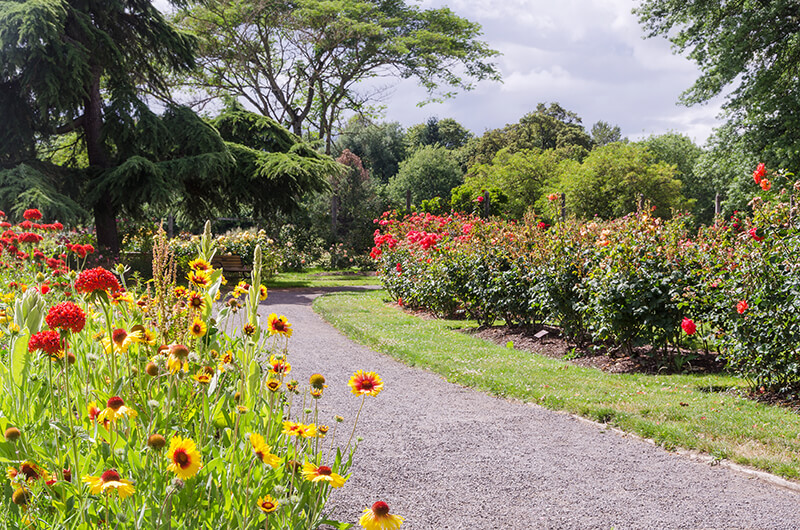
(231, 263)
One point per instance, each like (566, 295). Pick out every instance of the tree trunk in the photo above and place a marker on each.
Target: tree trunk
(104, 212)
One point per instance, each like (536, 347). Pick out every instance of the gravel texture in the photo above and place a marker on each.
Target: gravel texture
(447, 457)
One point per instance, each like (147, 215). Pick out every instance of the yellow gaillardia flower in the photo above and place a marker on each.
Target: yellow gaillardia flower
(262, 292)
(366, 383)
(184, 458)
(278, 365)
(379, 518)
(115, 409)
(198, 328)
(262, 451)
(196, 301)
(202, 377)
(225, 361)
(109, 481)
(313, 473)
(121, 340)
(278, 325)
(200, 264)
(267, 504)
(298, 429)
(200, 279)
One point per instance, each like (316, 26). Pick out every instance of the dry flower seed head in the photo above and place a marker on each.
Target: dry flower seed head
(317, 381)
(163, 349)
(67, 474)
(20, 496)
(151, 368)
(237, 396)
(180, 351)
(293, 466)
(12, 434)
(156, 441)
(71, 358)
(178, 484)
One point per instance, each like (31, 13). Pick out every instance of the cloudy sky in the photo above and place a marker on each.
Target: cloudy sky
(587, 55)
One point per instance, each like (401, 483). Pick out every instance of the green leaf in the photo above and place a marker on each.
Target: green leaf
(20, 357)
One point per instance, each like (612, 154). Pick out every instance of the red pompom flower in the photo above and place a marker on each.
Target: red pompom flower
(97, 279)
(32, 214)
(688, 326)
(66, 316)
(47, 341)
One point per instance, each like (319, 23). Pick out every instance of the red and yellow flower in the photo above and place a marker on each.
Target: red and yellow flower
(184, 458)
(278, 325)
(324, 474)
(262, 451)
(197, 328)
(115, 409)
(379, 518)
(292, 428)
(267, 504)
(365, 383)
(107, 482)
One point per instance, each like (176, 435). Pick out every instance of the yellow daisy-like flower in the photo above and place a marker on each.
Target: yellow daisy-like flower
(366, 383)
(298, 429)
(267, 504)
(109, 481)
(225, 361)
(262, 293)
(200, 264)
(198, 328)
(184, 458)
(121, 340)
(278, 365)
(202, 377)
(180, 291)
(145, 335)
(278, 324)
(196, 301)
(200, 279)
(241, 288)
(313, 473)
(30, 470)
(119, 297)
(262, 451)
(175, 364)
(115, 409)
(273, 385)
(379, 518)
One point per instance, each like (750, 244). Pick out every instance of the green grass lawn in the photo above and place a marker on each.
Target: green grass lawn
(702, 412)
(321, 278)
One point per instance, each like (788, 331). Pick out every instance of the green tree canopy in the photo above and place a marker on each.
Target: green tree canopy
(679, 150)
(447, 133)
(749, 48)
(301, 62)
(429, 172)
(74, 66)
(522, 175)
(73, 75)
(613, 179)
(603, 133)
(380, 146)
(548, 127)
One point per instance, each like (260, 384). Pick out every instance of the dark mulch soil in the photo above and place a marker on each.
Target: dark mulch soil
(614, 360)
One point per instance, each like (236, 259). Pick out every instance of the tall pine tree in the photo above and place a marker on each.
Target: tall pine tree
(79, 133)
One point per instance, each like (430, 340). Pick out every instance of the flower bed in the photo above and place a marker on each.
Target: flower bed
(732, 288)
(160, 408)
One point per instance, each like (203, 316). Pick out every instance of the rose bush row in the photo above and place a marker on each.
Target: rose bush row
(731, 288)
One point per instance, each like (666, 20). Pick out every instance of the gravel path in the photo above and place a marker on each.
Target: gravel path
(446, 457)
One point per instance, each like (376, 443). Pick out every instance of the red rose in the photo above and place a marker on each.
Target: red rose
(741, 307)
(688, 326)
(759, 173)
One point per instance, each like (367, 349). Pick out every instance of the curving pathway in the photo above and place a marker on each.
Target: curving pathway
(446, 457)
